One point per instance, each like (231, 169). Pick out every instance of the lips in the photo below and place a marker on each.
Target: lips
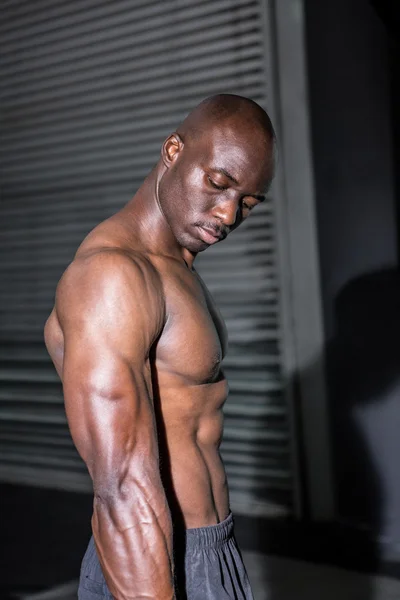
(209, 235)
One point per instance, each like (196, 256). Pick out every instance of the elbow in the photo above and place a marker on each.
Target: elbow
(119, 488)
(130, 499)
(111, 490)
(118, 477)
(114, 471)
(122, 484)
(111, 502)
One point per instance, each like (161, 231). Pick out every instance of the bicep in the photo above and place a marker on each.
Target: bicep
(106, 379)
(109, 410)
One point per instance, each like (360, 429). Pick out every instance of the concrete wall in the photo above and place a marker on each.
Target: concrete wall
(355, 195)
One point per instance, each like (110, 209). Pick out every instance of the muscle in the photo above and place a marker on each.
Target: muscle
(110, 309)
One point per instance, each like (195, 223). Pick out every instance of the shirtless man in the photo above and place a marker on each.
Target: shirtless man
(137, 341)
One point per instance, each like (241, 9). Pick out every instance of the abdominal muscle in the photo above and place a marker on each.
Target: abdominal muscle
(191, 465)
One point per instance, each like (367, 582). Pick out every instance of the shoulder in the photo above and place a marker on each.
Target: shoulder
(109, 267)
(112, 280)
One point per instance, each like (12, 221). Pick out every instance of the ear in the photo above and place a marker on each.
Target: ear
(171, 149)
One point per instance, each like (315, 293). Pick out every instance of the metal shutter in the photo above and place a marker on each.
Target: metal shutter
(89, 91)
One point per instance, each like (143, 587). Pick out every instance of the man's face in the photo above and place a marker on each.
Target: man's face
(213, 183)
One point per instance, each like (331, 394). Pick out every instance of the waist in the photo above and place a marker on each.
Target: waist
(210, 536)
(195, 482)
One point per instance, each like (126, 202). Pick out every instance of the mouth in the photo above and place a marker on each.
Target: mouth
(209, 235)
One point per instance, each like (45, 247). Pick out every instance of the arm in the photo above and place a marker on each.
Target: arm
(111, 311)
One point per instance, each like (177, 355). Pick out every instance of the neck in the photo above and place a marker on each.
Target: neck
(144, 221)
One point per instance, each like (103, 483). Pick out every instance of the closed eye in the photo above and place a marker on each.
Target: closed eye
(247, 206)
(215, 185)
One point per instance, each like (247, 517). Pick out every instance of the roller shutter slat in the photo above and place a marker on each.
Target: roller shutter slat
(89, 91)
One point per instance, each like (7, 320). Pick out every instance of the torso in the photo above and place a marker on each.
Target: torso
(189, 389)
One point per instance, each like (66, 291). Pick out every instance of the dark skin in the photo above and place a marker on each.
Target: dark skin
(137, 342)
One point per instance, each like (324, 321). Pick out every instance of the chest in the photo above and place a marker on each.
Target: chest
(194, 341)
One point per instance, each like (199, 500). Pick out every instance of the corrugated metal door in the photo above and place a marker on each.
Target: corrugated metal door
(89, 90)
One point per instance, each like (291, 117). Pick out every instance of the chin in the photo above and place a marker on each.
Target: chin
(192, 244)
(196, 246)
(201, 246)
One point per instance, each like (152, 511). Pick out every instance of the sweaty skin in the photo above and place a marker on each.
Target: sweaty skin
(138, 342)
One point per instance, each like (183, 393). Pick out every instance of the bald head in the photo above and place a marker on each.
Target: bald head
(215, 169)
(226, 109)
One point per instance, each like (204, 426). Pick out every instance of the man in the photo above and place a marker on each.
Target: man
(138, 343)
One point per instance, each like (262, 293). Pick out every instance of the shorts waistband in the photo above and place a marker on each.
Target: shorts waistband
(211, 535)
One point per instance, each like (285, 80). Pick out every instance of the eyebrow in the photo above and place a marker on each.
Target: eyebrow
(234, 180)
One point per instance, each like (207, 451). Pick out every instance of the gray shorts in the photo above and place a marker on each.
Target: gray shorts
(209, 568)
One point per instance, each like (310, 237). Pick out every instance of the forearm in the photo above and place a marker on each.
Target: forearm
(133, 536)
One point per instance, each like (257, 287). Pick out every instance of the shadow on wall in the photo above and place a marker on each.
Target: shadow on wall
(363, 365)
(276, 578)
(364, 381)
(363, 376)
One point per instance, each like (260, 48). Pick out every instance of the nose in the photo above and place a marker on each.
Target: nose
(226, 211)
